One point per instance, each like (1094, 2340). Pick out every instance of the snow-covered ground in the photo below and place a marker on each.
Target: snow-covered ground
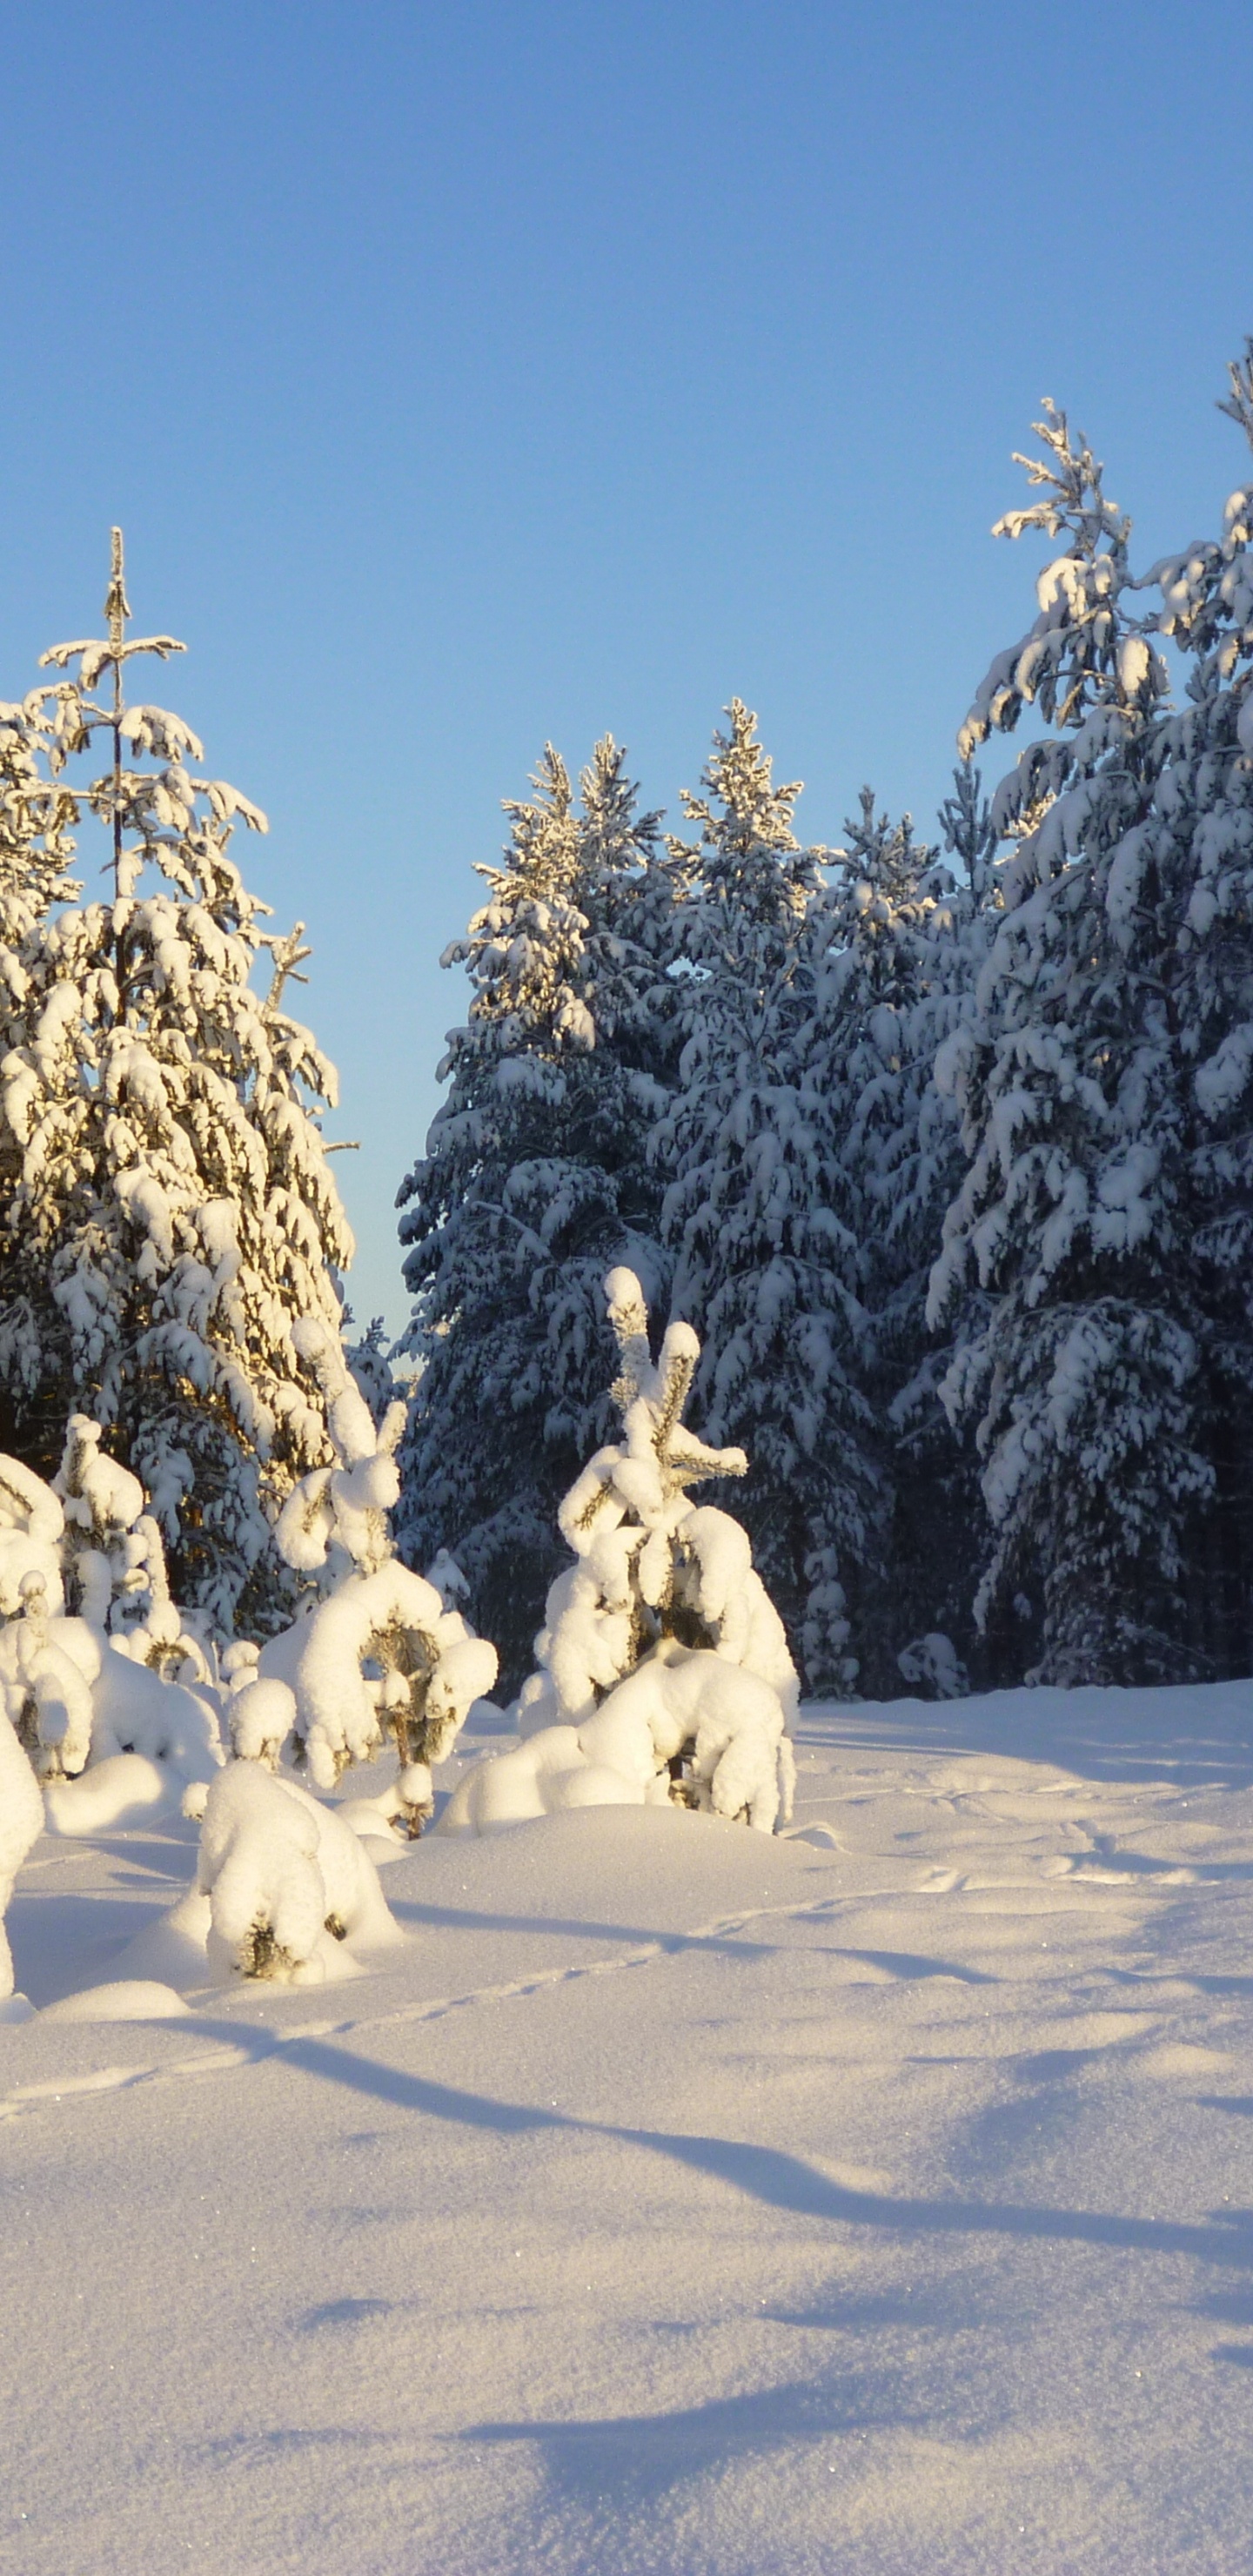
(677, 2200)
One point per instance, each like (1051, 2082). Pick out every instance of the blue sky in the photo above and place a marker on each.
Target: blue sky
(473, 374)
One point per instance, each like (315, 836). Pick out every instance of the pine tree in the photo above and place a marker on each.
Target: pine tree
(757, 1205)
(1086, 1371)
(168, 1207)
(535, 1178)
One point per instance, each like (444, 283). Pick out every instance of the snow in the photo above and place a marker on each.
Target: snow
(109, 1792)
(672, 2200)
(127, 1999)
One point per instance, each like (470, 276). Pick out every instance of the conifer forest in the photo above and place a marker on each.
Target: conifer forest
(938, 1139)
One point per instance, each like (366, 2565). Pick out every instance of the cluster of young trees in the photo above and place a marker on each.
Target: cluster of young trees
(944, 1152)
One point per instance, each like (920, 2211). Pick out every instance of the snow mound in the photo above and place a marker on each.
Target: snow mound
(123, 1786)
(136, 1999)
(135, 1711)
(293, 1896)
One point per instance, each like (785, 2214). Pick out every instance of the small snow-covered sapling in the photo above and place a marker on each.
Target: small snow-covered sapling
(664, 1669)
(379, 1656)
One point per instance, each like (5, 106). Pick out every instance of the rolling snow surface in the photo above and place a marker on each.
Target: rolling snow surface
(675, 2201)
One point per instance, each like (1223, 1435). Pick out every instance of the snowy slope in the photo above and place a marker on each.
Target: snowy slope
(676, 2200)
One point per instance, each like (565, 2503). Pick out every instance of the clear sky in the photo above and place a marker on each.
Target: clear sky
(473, 373)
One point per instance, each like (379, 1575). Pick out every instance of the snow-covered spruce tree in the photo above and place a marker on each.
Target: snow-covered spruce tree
(1199, 840)
(168, 1207)
(36, 860)
(535, 1177)
(893, 936)
(664, 1669)
(1086, 1372)
(758, 1207)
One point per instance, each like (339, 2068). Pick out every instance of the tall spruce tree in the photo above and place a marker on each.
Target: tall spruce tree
(1087, 1372)
(892, 937)
(535, 1180)
(1199, 839)
(167, 1204)
(758, 1206)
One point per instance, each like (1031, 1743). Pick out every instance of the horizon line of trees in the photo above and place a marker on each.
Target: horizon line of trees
(945, 1151)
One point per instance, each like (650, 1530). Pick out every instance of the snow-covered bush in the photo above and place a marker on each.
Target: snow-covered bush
(114, 1563)
(32, 1525)
(933, 1664)
(75, 1559)
(47, 1666)
(292, 1894)
(378, 1657)
(337, 1517)
(664, 1669)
